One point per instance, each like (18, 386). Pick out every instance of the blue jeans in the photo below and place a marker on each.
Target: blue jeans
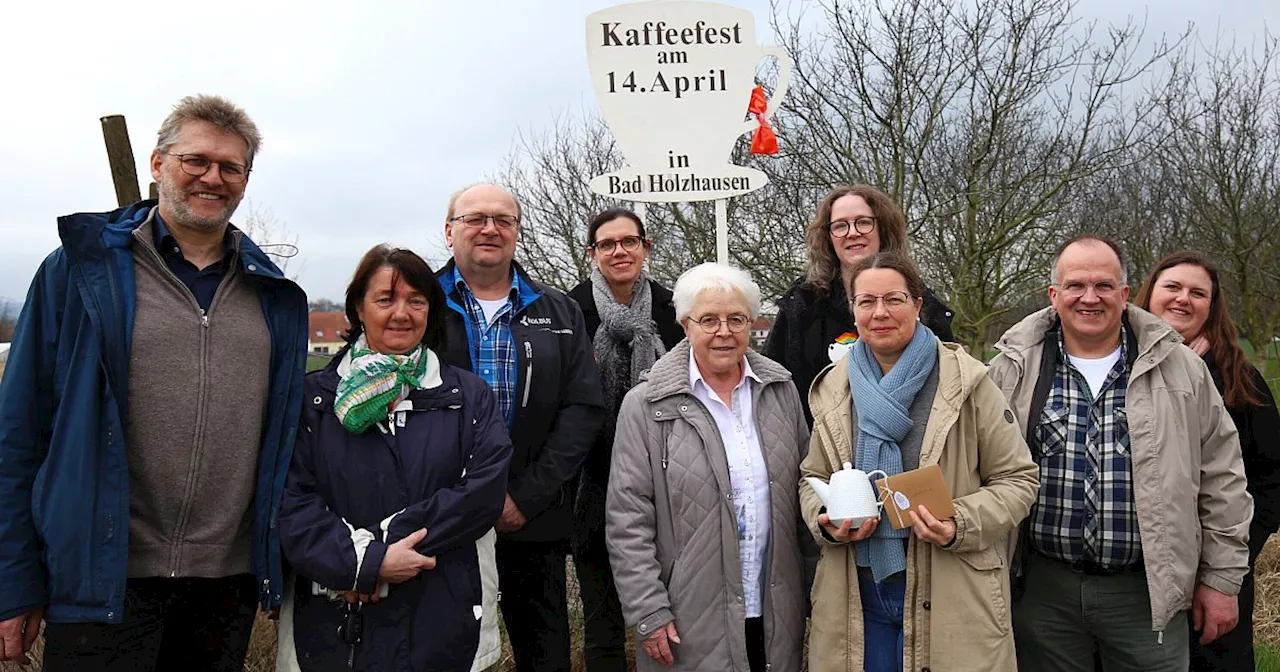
(882, 605)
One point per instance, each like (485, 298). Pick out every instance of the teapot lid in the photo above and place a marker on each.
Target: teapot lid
(848, 465)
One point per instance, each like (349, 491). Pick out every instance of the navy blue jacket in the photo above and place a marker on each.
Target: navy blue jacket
(560, 405)
(444, 469)
(64, 473)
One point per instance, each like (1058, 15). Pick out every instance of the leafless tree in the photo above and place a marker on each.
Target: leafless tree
(271, 234)
(984, 120)
(324, 306)
(1225, 114)
(1001, 126)
(8, 318)
(548, 171)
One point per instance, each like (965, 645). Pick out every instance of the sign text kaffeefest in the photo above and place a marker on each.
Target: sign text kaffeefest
(673, 79)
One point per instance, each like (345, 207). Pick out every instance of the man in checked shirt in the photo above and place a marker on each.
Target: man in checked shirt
(1142, 514)
(529, 342)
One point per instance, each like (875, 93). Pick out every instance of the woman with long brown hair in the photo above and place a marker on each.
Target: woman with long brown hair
(1184, 291)
(814, 327)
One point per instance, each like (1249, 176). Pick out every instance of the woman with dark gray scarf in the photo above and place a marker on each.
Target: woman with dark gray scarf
(632, 322)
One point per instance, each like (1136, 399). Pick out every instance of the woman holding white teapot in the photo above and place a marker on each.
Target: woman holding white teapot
(935, 594)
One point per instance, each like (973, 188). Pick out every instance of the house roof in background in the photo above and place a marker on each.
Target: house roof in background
(327, 327)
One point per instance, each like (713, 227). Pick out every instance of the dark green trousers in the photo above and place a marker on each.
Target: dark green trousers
(1065, 618)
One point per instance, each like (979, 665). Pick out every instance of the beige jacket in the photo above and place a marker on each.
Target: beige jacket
(1189, 483)
(956, 613)
(671, 527)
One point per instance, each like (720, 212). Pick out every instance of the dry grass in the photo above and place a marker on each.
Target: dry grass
(262, 652)
(262, 649)
(1266, 611)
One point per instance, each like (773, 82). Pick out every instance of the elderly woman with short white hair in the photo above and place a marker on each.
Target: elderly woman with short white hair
(702, 513)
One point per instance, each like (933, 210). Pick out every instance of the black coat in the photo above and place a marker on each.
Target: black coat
(809, 321)
(558, 408)
(1259, 428)
(589, 504)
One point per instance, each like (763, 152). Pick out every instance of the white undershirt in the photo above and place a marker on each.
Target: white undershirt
(1095, 370)
(491, 307)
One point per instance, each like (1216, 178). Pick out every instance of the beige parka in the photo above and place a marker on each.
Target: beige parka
(1188, 474)
(956, 613)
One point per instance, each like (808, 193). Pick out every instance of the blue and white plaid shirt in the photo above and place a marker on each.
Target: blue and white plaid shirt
(1085, 511)
(492, 345)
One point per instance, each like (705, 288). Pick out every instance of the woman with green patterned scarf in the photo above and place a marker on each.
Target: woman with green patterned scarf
(399, 470)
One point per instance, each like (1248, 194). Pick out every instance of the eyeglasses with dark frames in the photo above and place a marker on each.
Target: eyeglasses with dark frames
(196, 166)
(628, 243)
(863, 225)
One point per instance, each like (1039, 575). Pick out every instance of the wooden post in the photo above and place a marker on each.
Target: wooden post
(124, 173)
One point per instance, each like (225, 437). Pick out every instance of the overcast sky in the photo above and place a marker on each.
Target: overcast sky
(372, 113)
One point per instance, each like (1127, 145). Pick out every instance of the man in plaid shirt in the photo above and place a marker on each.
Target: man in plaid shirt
(1139, 532)
(529, 342)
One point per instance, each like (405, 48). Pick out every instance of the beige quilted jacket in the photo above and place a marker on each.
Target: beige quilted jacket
(670, 519)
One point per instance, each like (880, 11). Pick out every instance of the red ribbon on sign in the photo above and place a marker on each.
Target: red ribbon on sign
(764, 140)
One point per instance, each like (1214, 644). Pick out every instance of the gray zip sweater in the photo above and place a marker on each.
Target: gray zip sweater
(198, 387)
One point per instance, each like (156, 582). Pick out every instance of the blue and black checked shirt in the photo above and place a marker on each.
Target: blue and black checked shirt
(1085, 511)
(492, 345)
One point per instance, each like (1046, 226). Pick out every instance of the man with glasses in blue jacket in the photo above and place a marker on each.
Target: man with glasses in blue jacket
(147, 420)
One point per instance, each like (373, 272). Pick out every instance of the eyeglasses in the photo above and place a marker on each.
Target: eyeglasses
(863, 225)
(1075, 289)
(196, 165)
(478, 220)
(893, 301)
(711, 324)
(629, 243)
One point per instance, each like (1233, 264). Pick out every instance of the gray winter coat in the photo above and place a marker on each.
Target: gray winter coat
(671, 525)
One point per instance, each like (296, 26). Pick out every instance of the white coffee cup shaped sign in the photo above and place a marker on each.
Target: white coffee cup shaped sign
(673, 79)
(849, 495)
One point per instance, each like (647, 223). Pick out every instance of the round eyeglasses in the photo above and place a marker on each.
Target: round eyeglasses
(711, 324)
(863, 225)
(196, 165)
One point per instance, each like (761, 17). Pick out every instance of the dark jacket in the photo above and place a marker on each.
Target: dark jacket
(444, 469)
(64, 476)
(589, 501)
(1259, 428)
(558, 407)
(808, 322)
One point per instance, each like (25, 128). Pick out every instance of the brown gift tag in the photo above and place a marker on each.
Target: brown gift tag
(910, 489)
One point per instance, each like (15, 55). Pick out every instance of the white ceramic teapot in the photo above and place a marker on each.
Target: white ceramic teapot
(849, 495)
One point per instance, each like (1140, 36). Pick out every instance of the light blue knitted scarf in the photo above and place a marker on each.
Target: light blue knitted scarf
(883, 405)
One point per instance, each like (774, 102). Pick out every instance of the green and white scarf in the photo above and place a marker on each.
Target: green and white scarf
(376, 384)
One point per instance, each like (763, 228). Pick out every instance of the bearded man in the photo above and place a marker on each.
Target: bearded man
(147, 419)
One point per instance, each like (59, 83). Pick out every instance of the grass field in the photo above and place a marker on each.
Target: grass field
(1267, 659)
